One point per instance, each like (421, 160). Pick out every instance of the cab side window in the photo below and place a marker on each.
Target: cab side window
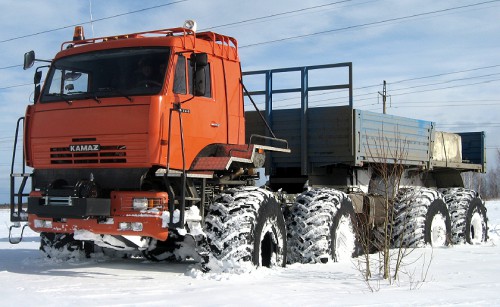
(180, 76)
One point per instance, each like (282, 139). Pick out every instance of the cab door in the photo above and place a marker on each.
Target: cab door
(199, 105)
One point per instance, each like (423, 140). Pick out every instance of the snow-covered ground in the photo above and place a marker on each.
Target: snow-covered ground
(465, 275)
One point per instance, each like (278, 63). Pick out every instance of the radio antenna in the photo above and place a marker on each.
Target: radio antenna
(91, 19)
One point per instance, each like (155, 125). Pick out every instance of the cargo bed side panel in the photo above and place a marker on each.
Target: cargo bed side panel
(384, 138)
(329, 135)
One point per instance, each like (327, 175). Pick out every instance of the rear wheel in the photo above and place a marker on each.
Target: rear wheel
(476, 227)
(420, 217)
(320, 227)
(468, 215)
(437, 224)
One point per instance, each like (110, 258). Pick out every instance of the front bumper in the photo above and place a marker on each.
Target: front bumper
(113, 216)
(150, 226)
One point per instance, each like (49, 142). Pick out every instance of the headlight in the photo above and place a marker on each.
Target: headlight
(124, 226)
(42, 224)
(134, 226)
(140, 204)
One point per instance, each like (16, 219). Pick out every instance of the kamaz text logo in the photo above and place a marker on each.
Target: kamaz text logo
(89, 147)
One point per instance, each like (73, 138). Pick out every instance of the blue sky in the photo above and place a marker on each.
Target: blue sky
(441, 62)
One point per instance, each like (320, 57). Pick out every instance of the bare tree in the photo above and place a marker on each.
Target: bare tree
(387, 154)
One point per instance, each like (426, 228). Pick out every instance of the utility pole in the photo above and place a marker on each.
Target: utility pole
(384, 96)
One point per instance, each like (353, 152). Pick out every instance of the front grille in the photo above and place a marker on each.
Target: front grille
(106, 155)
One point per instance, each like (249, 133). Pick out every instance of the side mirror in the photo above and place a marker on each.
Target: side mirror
(199, 63)
(199, 60)
(29, 59)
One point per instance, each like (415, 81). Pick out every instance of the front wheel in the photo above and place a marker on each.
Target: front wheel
(245, 225)
(60, 245)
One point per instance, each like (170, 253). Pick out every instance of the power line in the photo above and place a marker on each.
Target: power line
(446, 105)
(209, 28)
(276, 15)
(16, 85)
(95, 20)
(369, 24)
(447, 87)
(329, 100)
(255, 19)
(443, 88)
(445, 74)
(12, 66)
(401, 81)
(444, 82)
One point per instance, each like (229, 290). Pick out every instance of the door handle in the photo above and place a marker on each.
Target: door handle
(215, 125)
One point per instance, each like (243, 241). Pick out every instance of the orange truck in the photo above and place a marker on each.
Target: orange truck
(138, 142)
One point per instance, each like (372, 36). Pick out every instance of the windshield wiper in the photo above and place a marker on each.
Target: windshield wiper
(113, 90)
(63, 96)
(70, 102)
(94, 97)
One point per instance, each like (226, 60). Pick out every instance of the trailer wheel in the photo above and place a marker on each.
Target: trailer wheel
(469, 222)
(320, 227)
(420, 217)
(245, 225)
(60, 245)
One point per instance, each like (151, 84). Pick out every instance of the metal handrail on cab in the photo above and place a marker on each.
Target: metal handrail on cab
(17, 213)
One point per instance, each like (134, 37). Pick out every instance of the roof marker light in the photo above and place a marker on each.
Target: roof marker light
(78, 35)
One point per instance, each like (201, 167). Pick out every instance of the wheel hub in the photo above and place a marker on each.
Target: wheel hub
(476, 228)
(438, 230)
(344, 239)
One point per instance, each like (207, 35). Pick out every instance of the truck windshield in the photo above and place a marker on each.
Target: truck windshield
(109, 73)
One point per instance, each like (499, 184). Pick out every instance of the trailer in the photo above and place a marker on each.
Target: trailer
(141, 142)
(340, 148)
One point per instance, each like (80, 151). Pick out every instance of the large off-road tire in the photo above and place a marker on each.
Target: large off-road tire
(245, 225)
(420, 217)
(381, 237)
(60, 245)
(468, 216)
(320, 227)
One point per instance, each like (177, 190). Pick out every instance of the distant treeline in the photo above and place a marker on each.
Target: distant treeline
(488, 185)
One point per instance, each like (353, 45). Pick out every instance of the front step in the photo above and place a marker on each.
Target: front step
(17, 213)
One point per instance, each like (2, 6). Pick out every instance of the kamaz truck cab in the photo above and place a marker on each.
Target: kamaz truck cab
(130, 132)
